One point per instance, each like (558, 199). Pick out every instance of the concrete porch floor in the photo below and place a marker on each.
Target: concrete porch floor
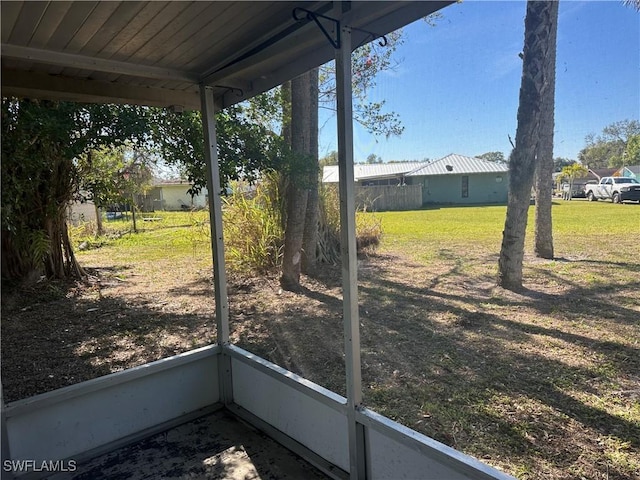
(216, 446)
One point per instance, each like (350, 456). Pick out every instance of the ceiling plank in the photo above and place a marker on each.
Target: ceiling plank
(121, 16)
(51, 19)
(219, 39)
(10, 12)
(131, 29)
(253, 46)
(91, 26)
(202, 23)
(27, 21)
(172, 31)
(70, 24)
(163, 20)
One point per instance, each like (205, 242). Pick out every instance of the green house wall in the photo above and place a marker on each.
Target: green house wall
(482, 188)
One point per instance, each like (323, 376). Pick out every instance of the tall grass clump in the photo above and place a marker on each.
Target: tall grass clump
(368, 227)
(253, 228)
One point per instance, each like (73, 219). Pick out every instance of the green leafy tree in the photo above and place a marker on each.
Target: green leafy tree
(330, 159)
(373, 158)
(245, 146)
(46, 146)
(632, 152)
(570, 173)
(573, 171)
(610, 148)
(40, 140)
(560, 162)
(110, 176)
(497, 157)
(367, 62)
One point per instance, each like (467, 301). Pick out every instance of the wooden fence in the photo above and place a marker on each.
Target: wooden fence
(389, 197)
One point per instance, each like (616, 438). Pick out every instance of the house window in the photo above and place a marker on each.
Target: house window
(465, 186)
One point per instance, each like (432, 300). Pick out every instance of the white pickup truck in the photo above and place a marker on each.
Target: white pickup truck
(616, 189)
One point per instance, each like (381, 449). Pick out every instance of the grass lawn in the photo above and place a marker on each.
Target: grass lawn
(544, 383)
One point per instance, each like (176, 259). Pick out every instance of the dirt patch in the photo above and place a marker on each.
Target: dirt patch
(540, 383)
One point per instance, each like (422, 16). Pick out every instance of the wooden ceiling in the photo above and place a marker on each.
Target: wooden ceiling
(159, 53)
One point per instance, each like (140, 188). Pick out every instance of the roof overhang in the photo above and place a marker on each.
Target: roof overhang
(160, 53)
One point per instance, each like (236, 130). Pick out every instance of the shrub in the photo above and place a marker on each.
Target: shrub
(253, 228)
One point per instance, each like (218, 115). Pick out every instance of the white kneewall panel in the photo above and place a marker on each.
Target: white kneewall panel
(397, 452)
(316, 425)
(70, 421)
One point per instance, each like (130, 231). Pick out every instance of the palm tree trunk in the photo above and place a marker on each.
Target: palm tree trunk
(544, 172)
(539, 22)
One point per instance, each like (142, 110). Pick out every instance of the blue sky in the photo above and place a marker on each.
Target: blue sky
(456, 89)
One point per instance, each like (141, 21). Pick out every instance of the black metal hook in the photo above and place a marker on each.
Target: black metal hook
(239, 91)
(309, 15)
(383, 41)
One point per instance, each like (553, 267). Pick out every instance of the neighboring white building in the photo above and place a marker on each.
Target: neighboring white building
(173, 195)
(78, 213)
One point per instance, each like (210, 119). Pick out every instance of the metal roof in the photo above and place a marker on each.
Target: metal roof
(158, 53)
(369, 171)
(454, 164)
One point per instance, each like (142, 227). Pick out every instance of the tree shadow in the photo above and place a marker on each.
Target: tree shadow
(74, 334)
(478, 355)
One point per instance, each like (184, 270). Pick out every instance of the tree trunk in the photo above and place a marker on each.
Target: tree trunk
(539, 22)
(298, 190)
(310, 235)
(99, 226)
(283, 179)
(133, 213)
(544, 172)
(60, 261)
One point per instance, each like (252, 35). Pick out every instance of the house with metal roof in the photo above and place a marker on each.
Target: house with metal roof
(454, 179)
(457, 179)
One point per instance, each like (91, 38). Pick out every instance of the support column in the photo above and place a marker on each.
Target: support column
(217, 242)
(4, 439)
(349, 254)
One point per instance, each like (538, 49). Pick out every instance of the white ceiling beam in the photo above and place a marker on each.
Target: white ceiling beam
(55, 87)
(83, 62)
